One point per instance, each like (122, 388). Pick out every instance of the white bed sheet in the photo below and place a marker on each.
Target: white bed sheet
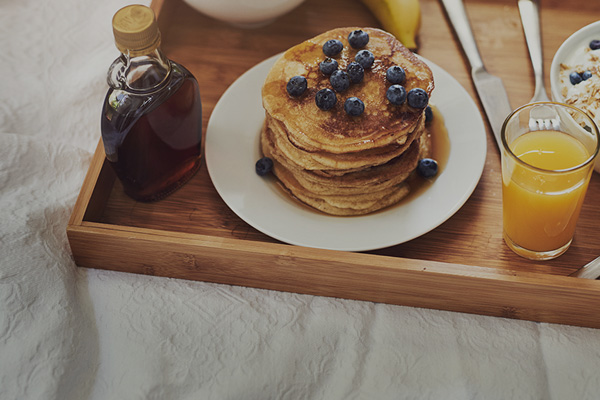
(73, 333)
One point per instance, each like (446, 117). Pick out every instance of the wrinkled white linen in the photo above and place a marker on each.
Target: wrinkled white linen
(72, 333)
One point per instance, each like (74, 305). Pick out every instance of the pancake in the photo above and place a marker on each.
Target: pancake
(343, 205)
(331, 161)
(355, 182)
(381, 124)
(322, 160)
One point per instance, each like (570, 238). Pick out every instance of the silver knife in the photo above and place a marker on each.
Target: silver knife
(589, 271)
(490, 89)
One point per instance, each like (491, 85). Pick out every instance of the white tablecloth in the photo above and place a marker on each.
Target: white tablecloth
(73, 333)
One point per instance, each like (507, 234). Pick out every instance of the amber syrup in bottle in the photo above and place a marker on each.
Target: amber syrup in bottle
(152, 114)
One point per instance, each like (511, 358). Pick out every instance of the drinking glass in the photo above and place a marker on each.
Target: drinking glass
(548, 154)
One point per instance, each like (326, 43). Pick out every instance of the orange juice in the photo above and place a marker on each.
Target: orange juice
(541, 207)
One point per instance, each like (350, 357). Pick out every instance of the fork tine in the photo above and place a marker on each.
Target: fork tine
(533, 126)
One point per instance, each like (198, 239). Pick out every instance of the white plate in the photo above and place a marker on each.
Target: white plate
(232, 149)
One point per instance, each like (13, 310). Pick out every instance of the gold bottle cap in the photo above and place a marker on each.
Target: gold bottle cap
(135, 30)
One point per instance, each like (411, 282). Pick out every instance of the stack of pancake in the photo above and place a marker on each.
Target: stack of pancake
(334, 162)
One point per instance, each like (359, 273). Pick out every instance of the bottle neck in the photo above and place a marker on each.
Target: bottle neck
(139, 73)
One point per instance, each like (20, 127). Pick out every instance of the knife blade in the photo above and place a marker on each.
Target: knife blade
(589, 271)
(490, 88)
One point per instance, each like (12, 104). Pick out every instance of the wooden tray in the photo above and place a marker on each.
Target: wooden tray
(463, 265)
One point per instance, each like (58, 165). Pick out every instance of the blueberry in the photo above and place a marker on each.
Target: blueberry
(358, 38)
(585, 75)
(365, 58)
(339, 80)
(395, 74)
(356, 72)
(264, 166)
(396, 94)
(417, 98)
(595, 44)
(428, 114)
(328, 65)
(325, 99)
(332, 47)
(296, 85)
(575, 78)
(354, 106)
(427, 167)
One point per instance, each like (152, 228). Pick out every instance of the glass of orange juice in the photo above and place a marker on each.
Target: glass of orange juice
(548, 154)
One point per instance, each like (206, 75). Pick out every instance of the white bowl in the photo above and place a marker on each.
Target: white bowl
(571, 49)
(244, 13)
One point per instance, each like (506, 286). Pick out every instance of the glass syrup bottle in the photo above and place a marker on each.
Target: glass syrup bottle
(152, 114)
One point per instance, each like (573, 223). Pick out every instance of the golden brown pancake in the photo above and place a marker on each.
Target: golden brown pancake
(382, 123)
(339, 204)
(322, 160)
(333, 162)
(354, 193)
(353, 182)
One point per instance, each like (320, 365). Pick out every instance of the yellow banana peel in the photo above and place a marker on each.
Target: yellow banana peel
(401, 18)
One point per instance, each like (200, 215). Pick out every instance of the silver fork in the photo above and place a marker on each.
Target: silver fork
(530, 19)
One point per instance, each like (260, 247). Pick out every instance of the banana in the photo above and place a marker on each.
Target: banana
(401, 18)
